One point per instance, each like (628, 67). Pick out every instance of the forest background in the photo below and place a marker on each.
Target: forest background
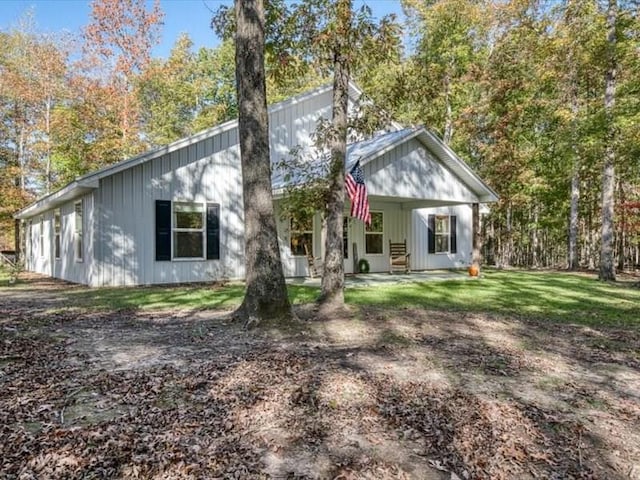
(542, 99)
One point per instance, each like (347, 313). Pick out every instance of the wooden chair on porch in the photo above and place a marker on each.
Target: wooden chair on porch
(399, 258)
(314, 264)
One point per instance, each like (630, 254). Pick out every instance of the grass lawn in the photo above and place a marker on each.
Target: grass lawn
(4, 276)
(515, 375)
(562, 297)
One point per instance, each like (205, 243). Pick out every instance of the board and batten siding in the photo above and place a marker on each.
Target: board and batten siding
(207, 171)
(409, 171)
(396, 228)
(421, 259)
(396, 225)
(67, 267)
(293, 125)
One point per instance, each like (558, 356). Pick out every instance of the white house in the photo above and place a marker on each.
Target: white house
(175, 214)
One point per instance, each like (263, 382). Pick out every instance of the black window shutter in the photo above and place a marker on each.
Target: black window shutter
(213, 231)
(163, 230)
(431, 237)
(454, 234)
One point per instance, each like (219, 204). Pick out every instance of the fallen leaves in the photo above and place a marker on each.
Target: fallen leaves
(250, 407)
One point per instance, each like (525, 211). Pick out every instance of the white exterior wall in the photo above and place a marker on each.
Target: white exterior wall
(119, 216)
(206, 171)
(293, 125)
(38, 260)
(421, 259)
(396, 180)
(396, 228)
(411, 172)
(67, 267)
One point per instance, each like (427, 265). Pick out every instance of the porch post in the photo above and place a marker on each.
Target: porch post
(476, 236)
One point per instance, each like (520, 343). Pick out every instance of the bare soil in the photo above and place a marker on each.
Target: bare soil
(374, 394)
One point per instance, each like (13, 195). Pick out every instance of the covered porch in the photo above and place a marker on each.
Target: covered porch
(419, 191)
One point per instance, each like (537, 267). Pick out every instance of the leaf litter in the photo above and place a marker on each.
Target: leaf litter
(414, 394)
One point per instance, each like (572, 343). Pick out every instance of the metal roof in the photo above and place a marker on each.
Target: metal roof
(367, 150)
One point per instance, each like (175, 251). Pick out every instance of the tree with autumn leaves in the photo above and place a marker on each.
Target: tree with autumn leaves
(519, 90)
(74, 104)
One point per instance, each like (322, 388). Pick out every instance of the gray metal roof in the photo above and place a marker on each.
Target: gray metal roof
(367, 150)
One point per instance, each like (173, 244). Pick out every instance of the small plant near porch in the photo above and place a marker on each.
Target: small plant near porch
(363, 266)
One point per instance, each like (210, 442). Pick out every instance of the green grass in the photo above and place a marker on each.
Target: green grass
(4, 276)
(555, 296)
(183, 297)
(559, 297)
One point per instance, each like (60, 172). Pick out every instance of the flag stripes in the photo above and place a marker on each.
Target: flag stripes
(357, 191)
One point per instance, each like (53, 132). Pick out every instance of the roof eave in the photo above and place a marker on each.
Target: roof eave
(73, 190)
(50, 201)
(387, 148)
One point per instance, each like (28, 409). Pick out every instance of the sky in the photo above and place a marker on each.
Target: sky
(190, 16)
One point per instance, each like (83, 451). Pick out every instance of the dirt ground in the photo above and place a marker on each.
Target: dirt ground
(380, 393)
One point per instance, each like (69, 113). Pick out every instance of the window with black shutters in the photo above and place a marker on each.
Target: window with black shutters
(187, 230)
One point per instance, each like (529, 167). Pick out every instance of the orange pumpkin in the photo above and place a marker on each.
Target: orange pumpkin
(474, 270)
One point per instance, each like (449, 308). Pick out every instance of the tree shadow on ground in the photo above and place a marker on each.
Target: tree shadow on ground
(379, 393)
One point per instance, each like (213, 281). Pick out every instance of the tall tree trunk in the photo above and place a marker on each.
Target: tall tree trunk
(266, 293)
(508, 244)
(125, 119)
(622, 229)
(535, 241)
(47, 179)
(573, 218)
(448, 120)
(22, 162)
(592, 244)
(607, 269)
(572, 261)
(332, 294)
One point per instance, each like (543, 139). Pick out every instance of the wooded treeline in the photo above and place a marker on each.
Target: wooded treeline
(541, 99)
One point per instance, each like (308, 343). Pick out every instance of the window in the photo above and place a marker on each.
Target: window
(188, 230)
(302, 236)
(442, 234)
(41, 244)
(56, 233)
(374, 234)
(78, 244)
(184, 228)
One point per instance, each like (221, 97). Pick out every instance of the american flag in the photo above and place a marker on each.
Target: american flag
(357, 191)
